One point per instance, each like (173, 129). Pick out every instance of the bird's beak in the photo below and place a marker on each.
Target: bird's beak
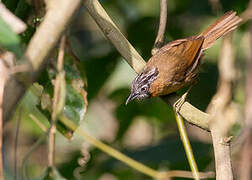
(131, 97)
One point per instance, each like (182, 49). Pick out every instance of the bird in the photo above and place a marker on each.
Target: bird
(176, 64)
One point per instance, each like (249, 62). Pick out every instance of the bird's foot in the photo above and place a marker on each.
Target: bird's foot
(178, 104)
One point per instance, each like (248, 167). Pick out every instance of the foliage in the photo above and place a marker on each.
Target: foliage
(98, 70)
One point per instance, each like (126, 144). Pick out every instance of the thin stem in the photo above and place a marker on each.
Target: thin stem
(182, 130)
(55, 21)
(218, 108)
(60, 63)
(114, 35)
(51, 146)
(56, 99)
(107, 149)
(127, 160)
(187, 146)
(162, 26)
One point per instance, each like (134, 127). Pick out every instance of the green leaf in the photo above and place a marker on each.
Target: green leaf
(74, 106)
(74, 103)
(29, 109)
(70, 68)
(9, 39)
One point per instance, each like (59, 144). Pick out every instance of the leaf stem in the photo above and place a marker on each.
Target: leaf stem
(127, 160)
(187, 146)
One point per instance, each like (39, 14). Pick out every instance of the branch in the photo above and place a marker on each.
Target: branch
(162, 26)
(58, 97)
(181, 127)
(187, 146)
(39, 48)
(127, 160)
(14, 22)
(245, 164)
(111, 31)
(220, 123)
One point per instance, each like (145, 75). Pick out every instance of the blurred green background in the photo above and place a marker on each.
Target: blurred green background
(146, 131)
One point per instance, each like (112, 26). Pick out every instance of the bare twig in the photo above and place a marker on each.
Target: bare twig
(246, 155)
(217, 108)
(47, 35)
(162, 26)
(14, 22)
(125, 159)
(56, 101)
(60, 64)
(189, 113)
(182, 130)
(45, 38)
(112, 32)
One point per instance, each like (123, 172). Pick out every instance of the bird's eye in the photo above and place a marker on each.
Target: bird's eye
(144, 89)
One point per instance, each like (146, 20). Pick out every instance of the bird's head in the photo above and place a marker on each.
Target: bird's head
(141, 84)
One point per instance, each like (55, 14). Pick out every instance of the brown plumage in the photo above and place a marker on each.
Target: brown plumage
(176, 64)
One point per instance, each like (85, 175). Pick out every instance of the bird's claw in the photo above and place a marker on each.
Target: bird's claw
(178, 104)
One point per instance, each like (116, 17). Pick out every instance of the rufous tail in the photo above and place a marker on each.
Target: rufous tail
(226, 23)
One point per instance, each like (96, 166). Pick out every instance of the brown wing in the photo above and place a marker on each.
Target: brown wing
(173, 62)
(188, 50)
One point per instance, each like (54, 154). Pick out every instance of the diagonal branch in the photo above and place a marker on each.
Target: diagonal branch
(111, 31)
(40, 46)
(161, 175)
